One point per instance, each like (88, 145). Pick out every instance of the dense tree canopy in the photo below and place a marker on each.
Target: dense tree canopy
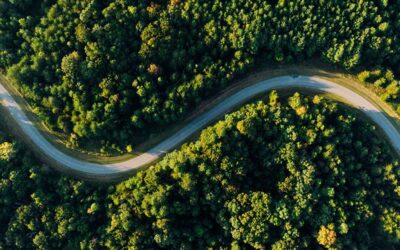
(43, 210)
(90, 66)
(299, 172)
(385, 84)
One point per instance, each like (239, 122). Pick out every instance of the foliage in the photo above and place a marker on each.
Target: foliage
(43, 210)
(326, 236)
(6, 151)
(385, 82)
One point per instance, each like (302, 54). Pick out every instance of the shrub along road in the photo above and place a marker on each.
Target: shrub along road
(284, 82)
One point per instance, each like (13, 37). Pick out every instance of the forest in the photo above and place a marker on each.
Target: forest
(297, 172)
(89, 66)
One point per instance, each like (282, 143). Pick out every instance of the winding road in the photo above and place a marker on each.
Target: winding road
(284, 82)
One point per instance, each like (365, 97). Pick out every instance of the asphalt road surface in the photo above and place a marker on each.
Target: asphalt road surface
(284, 82)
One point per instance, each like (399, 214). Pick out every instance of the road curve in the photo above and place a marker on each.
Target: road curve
(284, 82)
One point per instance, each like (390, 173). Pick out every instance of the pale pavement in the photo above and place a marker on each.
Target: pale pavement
(198, 123)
